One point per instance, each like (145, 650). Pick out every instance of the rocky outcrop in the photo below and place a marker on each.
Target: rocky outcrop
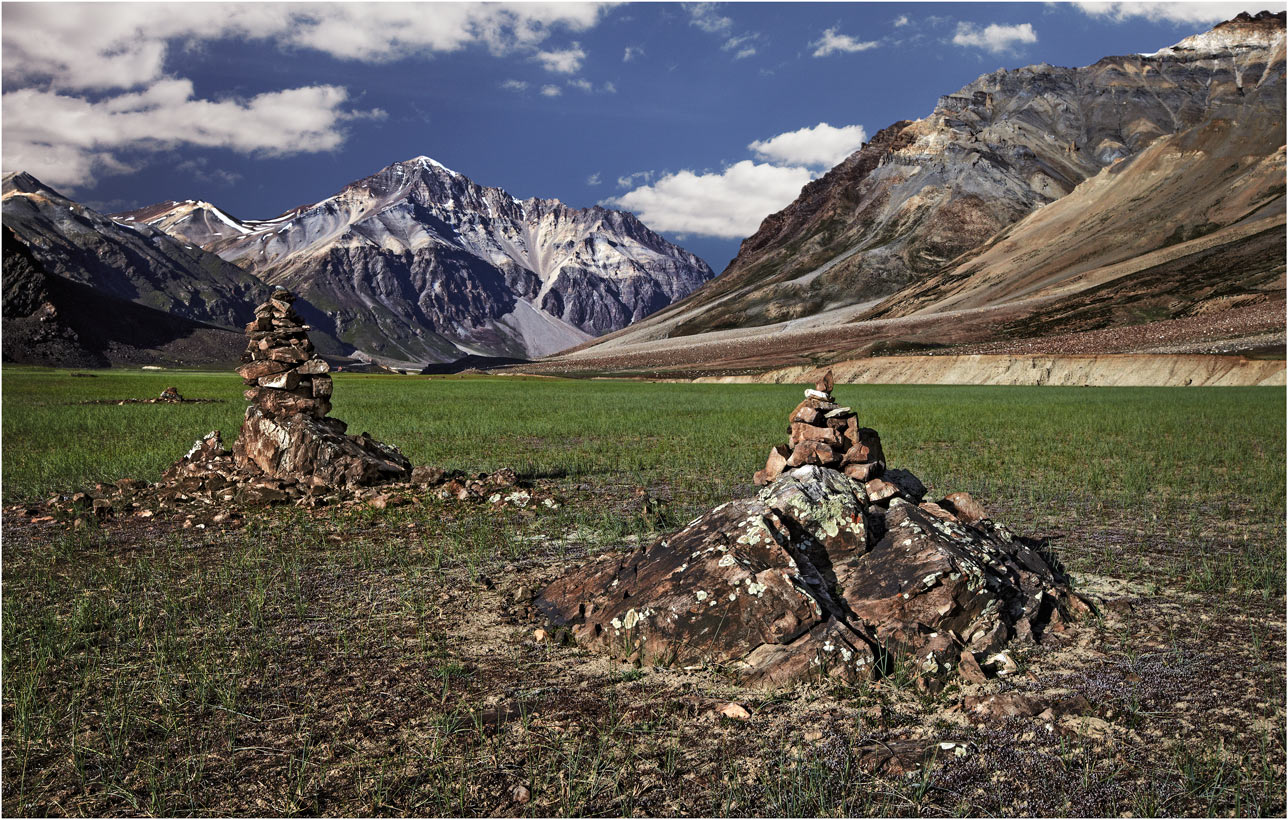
(419, 263)
(286, 433)
(823, 576)
(126, 260)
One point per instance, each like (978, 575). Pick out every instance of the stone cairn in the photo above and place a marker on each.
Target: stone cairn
(286, 432)
(289, 450)
(837, 569)
(826, 434)
(284, 374)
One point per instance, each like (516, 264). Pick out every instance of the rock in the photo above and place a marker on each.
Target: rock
(301, 445)
(540, 635)
(777, 462)
(252, 372)
(313, 367)
(969, 668)
(425, 475)
(733, 711)
(967, 509)
(520, 794)
(879, 490)
(287, 380)
(1007, 704)
(863, 472)
(909, 486)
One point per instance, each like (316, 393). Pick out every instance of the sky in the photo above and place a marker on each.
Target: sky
(701, 118)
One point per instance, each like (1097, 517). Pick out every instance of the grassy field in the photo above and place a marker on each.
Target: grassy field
(350, 661)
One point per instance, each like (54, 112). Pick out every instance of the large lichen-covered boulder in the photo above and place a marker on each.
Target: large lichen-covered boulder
(812, 579)
(306, 447)
(738, 586)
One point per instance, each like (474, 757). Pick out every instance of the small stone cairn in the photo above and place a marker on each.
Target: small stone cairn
(826, 434)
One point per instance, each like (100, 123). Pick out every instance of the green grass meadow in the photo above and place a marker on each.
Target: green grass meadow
(343, 661)
(1163, 454)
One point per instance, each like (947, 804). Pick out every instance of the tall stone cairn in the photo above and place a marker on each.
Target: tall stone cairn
(826, 434)
(286, 432)
(285, 375)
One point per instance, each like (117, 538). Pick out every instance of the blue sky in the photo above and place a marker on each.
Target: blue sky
(701, 118)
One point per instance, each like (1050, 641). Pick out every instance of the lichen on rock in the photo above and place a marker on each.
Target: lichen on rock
(816, 578)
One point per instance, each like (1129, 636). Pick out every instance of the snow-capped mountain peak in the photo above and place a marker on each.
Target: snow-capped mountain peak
(422, 263)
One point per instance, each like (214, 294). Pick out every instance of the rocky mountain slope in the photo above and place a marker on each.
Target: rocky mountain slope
(134, 263)
(418, 263)
(1036, 193)
(50, 320)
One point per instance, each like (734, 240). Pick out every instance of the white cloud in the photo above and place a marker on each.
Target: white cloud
(65, 140)
(53, 53)
(901, 21)
(123, 45)
(593, 179)
(994, 38)
(610, 88)
(1202, 12)
(831, 43)
(729, 205)
(515, 85)
(705, 17)
(741, 44)
(581, 83)
(564, 61)
(630, 179)
(551, 91)
(631, 53)
(821, 146)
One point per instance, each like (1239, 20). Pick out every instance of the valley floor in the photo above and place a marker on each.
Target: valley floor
(351, 660)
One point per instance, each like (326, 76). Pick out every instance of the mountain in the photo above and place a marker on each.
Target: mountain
(132, 262)
(419, 263)
(50, 320)
(1033, 201)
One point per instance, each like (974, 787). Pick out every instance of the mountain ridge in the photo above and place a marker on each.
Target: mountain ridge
(901, 219)
(378, 258)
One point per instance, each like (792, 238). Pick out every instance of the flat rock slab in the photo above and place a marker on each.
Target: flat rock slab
(812, 579)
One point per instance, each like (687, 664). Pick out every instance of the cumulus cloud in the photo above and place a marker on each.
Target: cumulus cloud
(581, 83)
(515, 85)
(729, 205)
(994, 38)
(631, 53)
(100, 46)
(564, 61)
(1202, 12)
(832, 42)
(593, 179)
(551, 91)
(821, 146)
(86, 82)
(65, 140)
(705, 17)
(901, 21)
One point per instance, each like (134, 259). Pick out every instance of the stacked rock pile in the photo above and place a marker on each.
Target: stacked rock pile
(285, 375)
(287, 433)
(828, 435)
(836, 568)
